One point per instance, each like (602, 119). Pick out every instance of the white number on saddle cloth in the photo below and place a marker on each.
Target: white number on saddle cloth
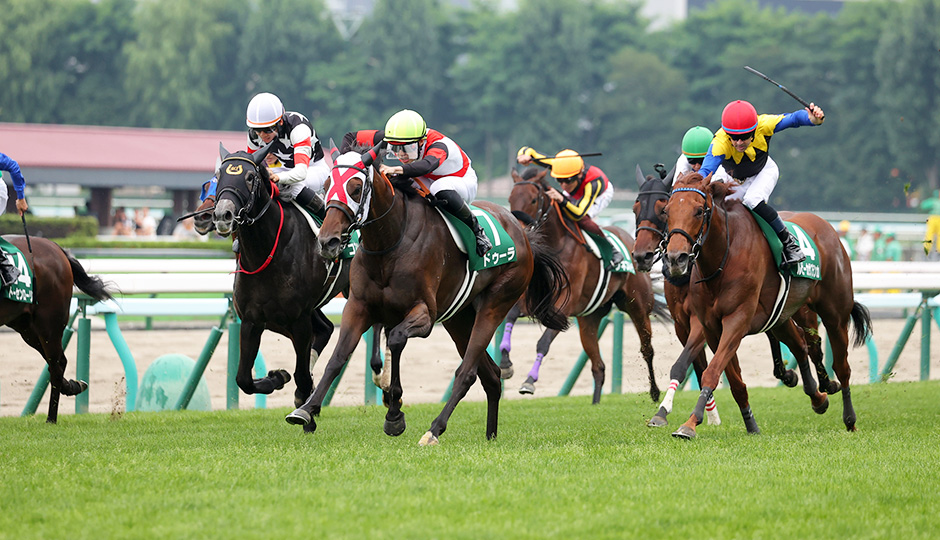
(805, 245)
(24, 270)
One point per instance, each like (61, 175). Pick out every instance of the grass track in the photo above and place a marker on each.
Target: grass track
(560, 468)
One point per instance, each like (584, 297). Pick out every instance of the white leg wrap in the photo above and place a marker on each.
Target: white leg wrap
(670, 394)
(711, 412)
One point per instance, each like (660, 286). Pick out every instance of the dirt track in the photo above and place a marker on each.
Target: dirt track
(427, 366)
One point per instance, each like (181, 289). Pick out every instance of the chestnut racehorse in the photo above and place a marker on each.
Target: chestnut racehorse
(632, 293)
(409, 273)
(735, 287)
(42, 322)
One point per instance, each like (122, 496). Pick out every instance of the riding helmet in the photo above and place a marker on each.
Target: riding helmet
(695, 142)
(739, 117)
(566, 164)
(405, 126)
(264, 110)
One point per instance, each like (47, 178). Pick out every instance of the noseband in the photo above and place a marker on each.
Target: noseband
(247, 202)
(651, 195)
(356, 220)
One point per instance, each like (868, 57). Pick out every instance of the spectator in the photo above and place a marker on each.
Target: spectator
(932, 236)
(186, 230)
(878, 251)
(893, 251)
(146, 224)
(864, 245)
(844, 227)
(122, 225)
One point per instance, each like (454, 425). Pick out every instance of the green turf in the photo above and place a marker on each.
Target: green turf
(561, 468)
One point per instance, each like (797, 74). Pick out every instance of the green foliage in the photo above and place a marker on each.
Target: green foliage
(560, 468)
(50, 227)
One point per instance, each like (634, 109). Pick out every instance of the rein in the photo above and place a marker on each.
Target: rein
(544, 211)
(243, 217)
(277, 239)
(698, 242)
(355, 220)
(648, 213)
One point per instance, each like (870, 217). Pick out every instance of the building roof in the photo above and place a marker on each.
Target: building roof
(115, 156)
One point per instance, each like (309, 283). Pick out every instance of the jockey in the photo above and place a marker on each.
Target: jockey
(431, 160)
(9, 273)
(695, 144)
(741, 146)
(296, 160)
(587, 190)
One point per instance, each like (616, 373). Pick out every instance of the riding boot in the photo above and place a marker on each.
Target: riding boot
(792, 253)
(309, 200)
(455, 205)
(9, 273)
(589, 225)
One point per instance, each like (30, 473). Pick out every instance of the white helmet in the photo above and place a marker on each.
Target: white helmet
(264, 110)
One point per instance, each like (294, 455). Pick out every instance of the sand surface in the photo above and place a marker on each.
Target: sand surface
(427, 364)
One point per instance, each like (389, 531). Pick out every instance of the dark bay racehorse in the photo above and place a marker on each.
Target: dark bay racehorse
(591, 298)
(282, 281)
(409, 273)
(42, 322)
(735, 283)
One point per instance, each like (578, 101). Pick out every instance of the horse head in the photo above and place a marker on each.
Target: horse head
(528, 200)
(351, 194)
(688, 221)
(244, 190)
(650, 219)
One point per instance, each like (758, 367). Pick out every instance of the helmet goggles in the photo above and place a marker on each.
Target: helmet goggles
(404, 152)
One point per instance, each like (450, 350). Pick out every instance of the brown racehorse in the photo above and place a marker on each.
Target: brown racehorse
(409, 273)
(735, 285)
(651, 230)
(589, 303)
(42, 322)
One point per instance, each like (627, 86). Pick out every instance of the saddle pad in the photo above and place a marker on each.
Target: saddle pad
(602, 252)
(808, 269)
(315, 222)
(503, 251)
(22, 290)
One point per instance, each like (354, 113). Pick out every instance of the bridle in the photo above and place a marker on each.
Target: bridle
(357, 220)
(652, 194)
(702, 236)
(542, 210)
(246, 203)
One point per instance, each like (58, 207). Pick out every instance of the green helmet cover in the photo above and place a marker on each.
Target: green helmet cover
(405, 126)
(695, 142)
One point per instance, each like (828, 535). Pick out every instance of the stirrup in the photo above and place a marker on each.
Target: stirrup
(483, 243)
(615, 259)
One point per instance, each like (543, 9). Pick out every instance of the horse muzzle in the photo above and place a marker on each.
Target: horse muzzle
(224, 217)
(644, 259)
(676, 264)
(330, 248)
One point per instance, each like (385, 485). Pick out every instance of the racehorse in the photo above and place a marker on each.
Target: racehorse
(282, 281)
(409, 273)
(735, 287)
(595, 290)
(42, 322)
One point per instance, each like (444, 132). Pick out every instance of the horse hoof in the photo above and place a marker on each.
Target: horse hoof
(684, 432)
(280, 377)
(790, 378)
(394, 428)
(657, 421)
(823, 407)
(527, 388)
(428, 439)
(834, 387)
(299, 417)
(506, 373)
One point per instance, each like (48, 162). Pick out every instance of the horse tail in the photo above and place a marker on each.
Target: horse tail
(861, 320)
(90, 285)
(549, 282)
(661, 308)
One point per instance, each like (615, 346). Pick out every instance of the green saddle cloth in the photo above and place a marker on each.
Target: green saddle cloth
(504, 249)
(350, 251)
(809, 268)
(606, 254)
(22, 289)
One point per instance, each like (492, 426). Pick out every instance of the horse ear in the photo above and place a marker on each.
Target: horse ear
(223, 153)
(258, 157)
(640, 177)
(515, 176)
(541, 175)
(670, 176)
(369, 157)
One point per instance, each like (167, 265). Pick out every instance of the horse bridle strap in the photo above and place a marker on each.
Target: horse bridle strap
(697, 243)
(267, 261)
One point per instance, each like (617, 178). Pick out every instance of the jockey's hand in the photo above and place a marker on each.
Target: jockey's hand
(816, 115)
(554, 195)
(523, 159)
(391, 170)
(21, 206)
(273, 176)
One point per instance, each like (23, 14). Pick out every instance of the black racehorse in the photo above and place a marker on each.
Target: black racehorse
(42, 322)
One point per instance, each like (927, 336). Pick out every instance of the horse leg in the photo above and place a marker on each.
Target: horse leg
(417, 323)
(303, 338)
(694, 346)
(249, 343)
(640, 316)
(471, 333)
(792, 336)
(505, 365)
(587, 329)
(50, 347)
(787, 376)
(355, 322)
(739, 392)
(375, 358)
(838, 333)
(734, 329)
(541, 350)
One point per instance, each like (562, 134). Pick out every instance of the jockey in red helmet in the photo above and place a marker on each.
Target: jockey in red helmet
(741, 146)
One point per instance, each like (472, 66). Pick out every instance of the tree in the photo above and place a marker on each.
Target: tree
(907, 63)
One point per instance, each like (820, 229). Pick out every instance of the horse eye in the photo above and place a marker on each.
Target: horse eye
(699, 212)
